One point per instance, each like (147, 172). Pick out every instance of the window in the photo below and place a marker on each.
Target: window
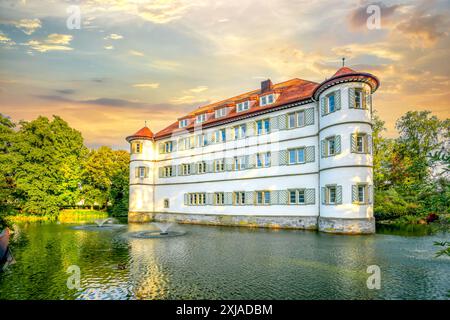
(296, 119)
(142, 172)
(243, 106)
(331, 147)
(263, 126)
(297, 155)
(166, 203)
(201, 140)
(167, 171)
(297, 196)
(239, 198)
(262, 197)
(263, 159)
(183, 123)
(136, 147)
(360, 143)
(331, 195)
(201, 167)
(219, 198)
(361, 193)
(201, 118)
(219, 165)
(185, 169)
(220, 135)
(221, 112)
(240, 131)
(168, 147)
(359, 99)
(239, 163)
(267, 99)
(196, 199)
(331, 103)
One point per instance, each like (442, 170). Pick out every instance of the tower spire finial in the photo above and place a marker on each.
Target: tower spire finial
(343, 61)
(145, 122)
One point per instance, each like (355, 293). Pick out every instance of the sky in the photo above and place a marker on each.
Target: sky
(155, 60)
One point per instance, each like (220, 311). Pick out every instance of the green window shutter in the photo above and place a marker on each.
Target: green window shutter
(161, 148)
(229, 134)
(147, 169)
(337, 99)
(252, 161)
(174, 171)
(309, 116)
(337, 143)
(247, 161)
(180, 169)
(351, 98)
(369, 144)
(310, 196)
(274, 125)
(283, 196)
(229, 164)
(160, 172)
(338, 194)
(370, 194)
(353, 142)
(309, 154)
(323, 195)
(251, 128)
(354, 193)
(275, 159)
(282, 122)
(185, 199)
(193, 168)
(210, 166)
(322, 149)
(282, 157)
(365, 96)
(273, 197)
(136, 172)
(322, 106)
(249, 199)
(228, 198)
(209, 198)
(174, 146)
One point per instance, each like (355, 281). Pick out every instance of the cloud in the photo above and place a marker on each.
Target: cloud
(424, 29)
(4, 39)
(380, 50)
(113, 36)
(198, 89)
(185, 99)
(146, 85)
(65, 91)
(109, 47)
(136, 53)
(54, 42)
(156, 11)
(166, 65)
(28, 26)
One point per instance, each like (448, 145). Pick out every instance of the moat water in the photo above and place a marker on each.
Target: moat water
(222, 263)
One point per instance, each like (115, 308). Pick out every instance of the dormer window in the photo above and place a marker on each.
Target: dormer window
(221, 112)
(243, 106)
(201, 118)
(183, 123)
(267, 99)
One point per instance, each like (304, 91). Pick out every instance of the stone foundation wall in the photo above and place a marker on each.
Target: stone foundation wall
(347, 226)
(329, 225)
(282, 222)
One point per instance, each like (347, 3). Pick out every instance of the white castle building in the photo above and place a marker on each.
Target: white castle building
(297, 154)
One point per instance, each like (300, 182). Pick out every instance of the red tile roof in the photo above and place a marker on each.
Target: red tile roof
(295, 90)
(144, 133)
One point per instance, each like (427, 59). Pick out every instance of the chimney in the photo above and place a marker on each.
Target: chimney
(266, 85)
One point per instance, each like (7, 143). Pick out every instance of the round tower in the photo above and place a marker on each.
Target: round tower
(345, 148)
(142, 171)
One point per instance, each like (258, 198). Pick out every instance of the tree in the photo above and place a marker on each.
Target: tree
(382, 154)
(105, 178)
(47, 175)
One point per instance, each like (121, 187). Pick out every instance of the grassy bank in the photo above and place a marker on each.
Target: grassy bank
(64, 216)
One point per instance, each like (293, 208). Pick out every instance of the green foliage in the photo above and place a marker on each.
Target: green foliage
(44, 167)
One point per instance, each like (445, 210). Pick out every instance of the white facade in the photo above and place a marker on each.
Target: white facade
(333, 188)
